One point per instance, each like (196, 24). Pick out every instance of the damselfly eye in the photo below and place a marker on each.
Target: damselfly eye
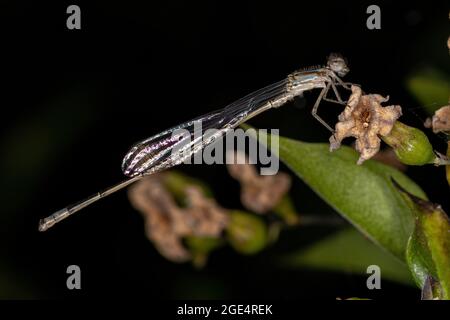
(337, 63)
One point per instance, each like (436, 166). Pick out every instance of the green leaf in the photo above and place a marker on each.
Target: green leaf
(431, 88)
(364, 194)
(348, 251)
(428, 252)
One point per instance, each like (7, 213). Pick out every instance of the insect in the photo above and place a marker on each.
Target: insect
(155, 153)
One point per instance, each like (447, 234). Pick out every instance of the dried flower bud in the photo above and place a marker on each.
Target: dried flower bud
(440, 122)
(411, 145)
(167, 224)
(204, 216)
(149, 197)
(259, 194)
(365, 119)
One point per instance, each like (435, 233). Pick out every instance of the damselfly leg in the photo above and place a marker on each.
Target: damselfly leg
(324, 96)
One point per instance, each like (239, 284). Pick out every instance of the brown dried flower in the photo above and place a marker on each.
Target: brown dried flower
(259, 194)
(152, 200)
(440, 122)
(365, 119)
(203, 215)
(166, 223)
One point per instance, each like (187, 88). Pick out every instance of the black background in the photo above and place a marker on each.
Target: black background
(73, 101)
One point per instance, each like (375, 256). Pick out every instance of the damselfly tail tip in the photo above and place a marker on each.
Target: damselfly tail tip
(44, 225)
(50, 221)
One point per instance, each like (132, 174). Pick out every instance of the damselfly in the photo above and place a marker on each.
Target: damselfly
(155, 153)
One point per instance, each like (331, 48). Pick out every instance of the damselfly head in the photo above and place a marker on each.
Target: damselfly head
(338, 64)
